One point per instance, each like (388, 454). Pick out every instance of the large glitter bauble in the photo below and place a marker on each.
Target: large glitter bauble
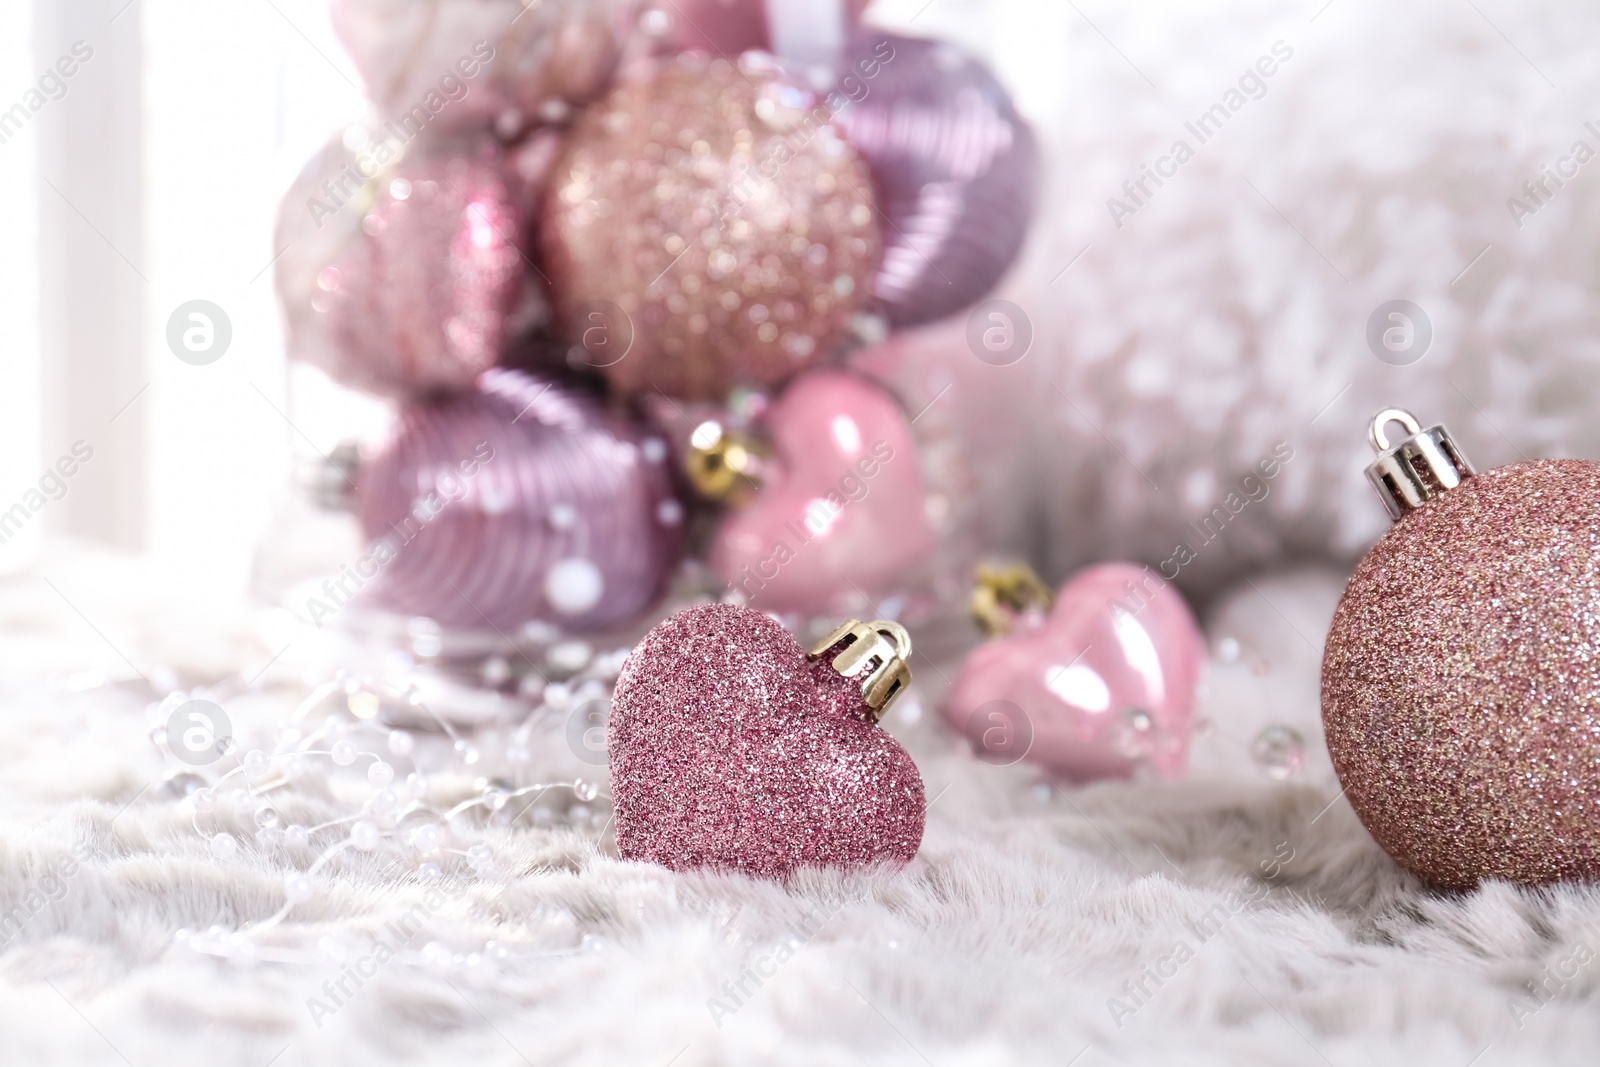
(400, 272)
(1100, 688)
(730, 234)
(1461, 677)
(954, 165)
(516, 502)
(459, 64)
(729, 750)
(840, 513)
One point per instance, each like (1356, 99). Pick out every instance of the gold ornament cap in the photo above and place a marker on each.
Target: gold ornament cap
(1423, 465)
(1002, 591)
(722, 463)
(877, 653)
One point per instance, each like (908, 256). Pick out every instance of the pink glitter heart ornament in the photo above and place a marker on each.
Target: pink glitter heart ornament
(730, 750)
(840, 514)
(1101, 687)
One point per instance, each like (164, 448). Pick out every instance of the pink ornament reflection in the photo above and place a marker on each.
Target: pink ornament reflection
(1100, 689)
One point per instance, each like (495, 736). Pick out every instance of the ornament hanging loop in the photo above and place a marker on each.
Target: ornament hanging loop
(877, 653)
(1422, 465)
(1378, 439)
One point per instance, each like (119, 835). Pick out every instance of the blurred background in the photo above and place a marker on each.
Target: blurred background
(1184, 328)
(151, 178)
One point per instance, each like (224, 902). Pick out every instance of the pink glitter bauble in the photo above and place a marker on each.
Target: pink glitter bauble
(840, 515)
(954, 166)
(1461, 680)
(409, 290)
(1103, 686)
(709, 230)
(519, 501)
(730, 750)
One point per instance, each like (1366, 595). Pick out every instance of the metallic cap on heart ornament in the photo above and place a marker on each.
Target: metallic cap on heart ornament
(877, 653)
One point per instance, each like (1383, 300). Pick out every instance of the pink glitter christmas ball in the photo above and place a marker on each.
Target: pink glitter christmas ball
(402, 285)
(519, 501)
(706, 224)
(730, 750)
(1461, 680)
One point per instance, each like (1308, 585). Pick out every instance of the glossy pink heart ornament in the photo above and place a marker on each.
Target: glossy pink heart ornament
(840, 514)
(731, 748)
(1098, 689)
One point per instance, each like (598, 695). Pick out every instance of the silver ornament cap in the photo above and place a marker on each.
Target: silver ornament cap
(1424, 464)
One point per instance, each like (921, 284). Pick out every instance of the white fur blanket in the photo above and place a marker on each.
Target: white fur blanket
(1225, 919)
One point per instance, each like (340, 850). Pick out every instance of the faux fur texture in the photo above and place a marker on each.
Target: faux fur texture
(1224, 919)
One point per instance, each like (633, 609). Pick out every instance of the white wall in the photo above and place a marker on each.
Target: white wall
(19, 293)
(170, 149)
(238, 97)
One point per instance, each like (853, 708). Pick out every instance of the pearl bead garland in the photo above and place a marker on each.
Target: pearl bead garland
(396, 815)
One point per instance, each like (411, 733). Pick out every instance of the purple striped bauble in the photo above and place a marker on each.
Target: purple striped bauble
(519, 501)
(955, 169)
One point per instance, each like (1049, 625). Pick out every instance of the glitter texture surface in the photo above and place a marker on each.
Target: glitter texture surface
(734, 231)
(1461, 680)
(729, 750)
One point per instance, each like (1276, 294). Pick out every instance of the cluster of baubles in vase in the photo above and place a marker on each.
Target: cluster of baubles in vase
(662, 201)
